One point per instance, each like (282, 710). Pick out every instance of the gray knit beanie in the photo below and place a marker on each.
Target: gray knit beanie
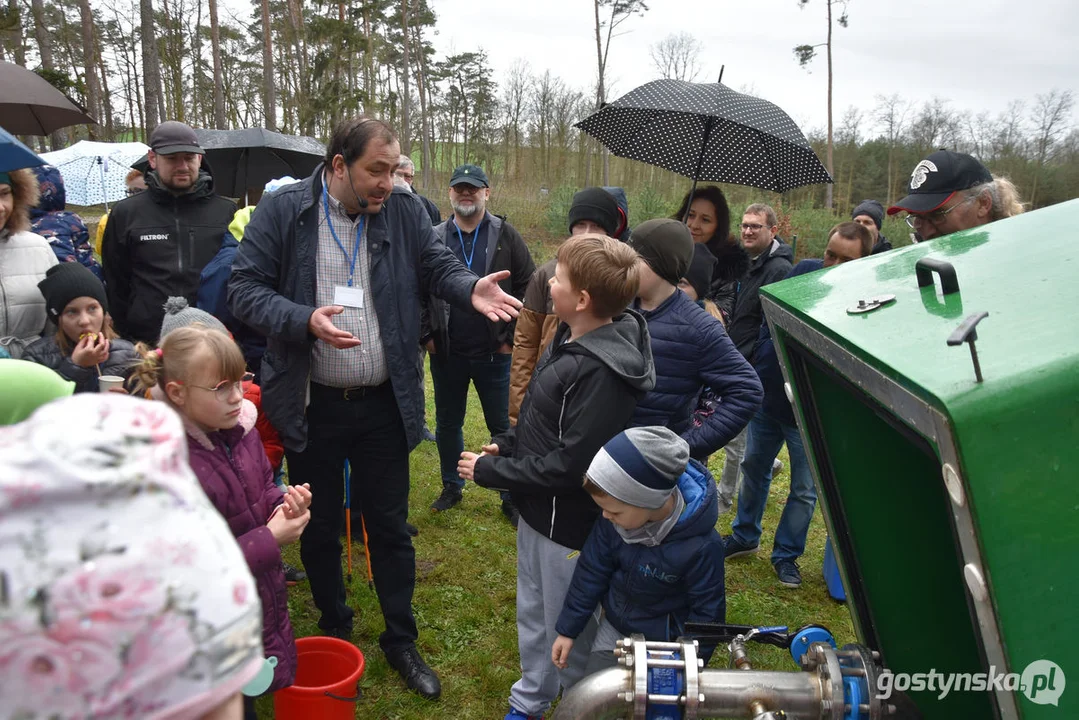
(178, 314)
(640, 466)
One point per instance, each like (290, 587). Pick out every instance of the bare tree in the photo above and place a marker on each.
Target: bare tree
(269, 92)
(805, 53)
(620, 11)
(891, 115)
(406, 139)
(1050, 120)
(517, 84)
(219, 79)
(676, 56)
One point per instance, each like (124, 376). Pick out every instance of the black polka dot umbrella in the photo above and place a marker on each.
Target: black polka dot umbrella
(708, 132)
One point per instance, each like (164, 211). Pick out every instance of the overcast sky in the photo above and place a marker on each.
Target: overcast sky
(980, 54)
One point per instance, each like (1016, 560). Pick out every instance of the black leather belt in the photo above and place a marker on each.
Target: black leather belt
(351, 393)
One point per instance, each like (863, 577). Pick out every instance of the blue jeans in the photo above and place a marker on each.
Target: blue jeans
(451, 375)
(764, 441)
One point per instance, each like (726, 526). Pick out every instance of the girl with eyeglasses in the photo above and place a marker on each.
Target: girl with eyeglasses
(200, 373)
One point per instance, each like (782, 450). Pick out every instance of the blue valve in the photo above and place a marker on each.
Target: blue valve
(807, 636)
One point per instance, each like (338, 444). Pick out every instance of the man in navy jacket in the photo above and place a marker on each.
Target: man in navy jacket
(331, 271)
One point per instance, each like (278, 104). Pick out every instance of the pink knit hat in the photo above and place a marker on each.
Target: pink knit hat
(122, 591)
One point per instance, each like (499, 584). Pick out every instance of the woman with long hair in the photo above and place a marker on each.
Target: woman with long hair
(709, 221)
(24, 258)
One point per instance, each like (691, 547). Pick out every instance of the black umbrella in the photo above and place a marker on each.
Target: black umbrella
(29, 105)
(251, 157)
(706, 131)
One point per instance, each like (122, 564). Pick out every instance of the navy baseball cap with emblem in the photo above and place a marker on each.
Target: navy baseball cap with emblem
(937, 178)
(469, 175)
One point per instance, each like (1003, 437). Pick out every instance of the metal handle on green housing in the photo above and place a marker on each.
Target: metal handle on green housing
(924, 269)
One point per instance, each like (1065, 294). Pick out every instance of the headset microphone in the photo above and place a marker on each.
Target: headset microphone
(360, 200)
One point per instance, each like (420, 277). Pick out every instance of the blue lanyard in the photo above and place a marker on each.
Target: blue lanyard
(359, 234)
(461, 239)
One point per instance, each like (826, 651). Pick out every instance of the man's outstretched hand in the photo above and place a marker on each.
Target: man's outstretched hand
(490, 300)
(322, 327)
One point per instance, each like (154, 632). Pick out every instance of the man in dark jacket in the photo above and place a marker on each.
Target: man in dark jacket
(770, 261)
(870, 215)
(466, 347)
(157, 242)
(332, 270)
(775, 424)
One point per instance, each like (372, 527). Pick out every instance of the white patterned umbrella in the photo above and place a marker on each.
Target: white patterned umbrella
(708, 132)
(94, 172)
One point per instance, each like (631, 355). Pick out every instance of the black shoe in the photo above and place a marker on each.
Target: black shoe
(341, 632)
(428, 435)
(733, 548)
(293, 575)
(510, 511)
(419, 678)
(411, 529)
(788, 574)
(450, 496)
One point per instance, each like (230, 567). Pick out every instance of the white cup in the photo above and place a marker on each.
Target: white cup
(106, 383)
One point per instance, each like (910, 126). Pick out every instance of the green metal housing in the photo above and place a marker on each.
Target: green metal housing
(953, 503)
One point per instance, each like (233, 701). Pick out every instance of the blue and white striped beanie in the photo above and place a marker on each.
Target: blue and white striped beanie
(640, 466)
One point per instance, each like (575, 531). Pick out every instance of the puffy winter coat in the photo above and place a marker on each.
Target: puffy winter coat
(654, 590)
(65, 231)
(24, 258)
(46, 351)
(271, 441)
(691, 351)
(235, 474)
(583, 394)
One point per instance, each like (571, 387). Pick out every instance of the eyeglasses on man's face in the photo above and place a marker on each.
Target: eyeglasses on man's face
(935, 218)
(751, 227)
(466, 189)
(405, 175)
(133, 191)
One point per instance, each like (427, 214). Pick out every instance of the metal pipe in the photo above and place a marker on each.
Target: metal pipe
(727, 694)
(604, 695)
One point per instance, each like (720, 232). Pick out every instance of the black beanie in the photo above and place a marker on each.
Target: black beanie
(700, 271)
(67, 281)
(872, 208)
(597, 205)
(666, 245)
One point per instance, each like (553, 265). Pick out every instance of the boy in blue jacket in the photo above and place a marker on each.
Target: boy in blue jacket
(654, 560)
(690, 348)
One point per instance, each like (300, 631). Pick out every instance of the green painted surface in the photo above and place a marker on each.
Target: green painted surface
(902, 538)
(1017, 433)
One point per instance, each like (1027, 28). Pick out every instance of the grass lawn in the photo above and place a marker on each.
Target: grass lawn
(465, 589)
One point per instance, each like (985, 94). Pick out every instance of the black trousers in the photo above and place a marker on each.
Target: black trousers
(366, 428)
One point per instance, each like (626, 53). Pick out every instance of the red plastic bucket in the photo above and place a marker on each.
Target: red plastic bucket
(328, 673)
